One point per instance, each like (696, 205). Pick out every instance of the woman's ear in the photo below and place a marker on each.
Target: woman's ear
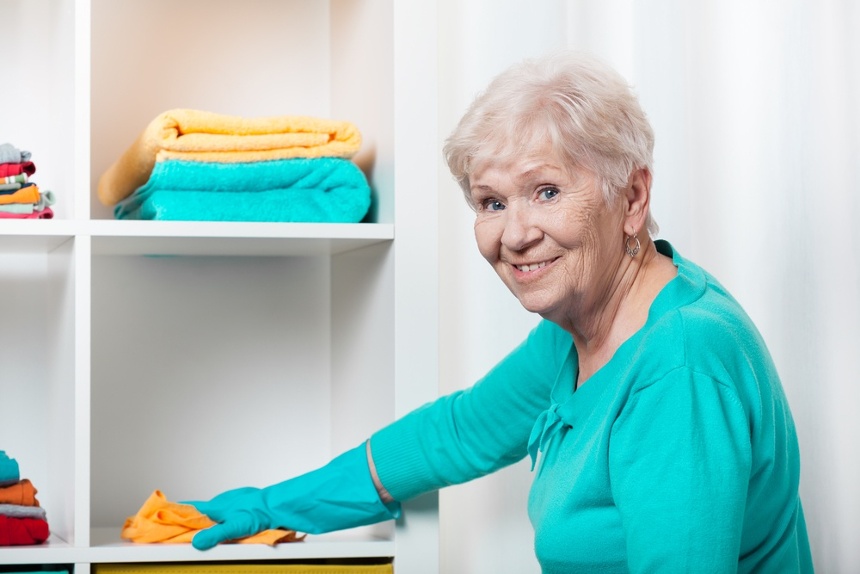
(637, 197)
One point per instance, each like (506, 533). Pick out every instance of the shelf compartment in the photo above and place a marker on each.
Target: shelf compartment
(200, 379)
(37, 350)
(327, 59)
(216, 372)
(38, 113)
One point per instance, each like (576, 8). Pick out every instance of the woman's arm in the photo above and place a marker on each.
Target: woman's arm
(680, 462)
(473, 432)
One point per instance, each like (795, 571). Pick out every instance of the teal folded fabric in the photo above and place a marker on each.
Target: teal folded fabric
(9, 472)
(319, 190)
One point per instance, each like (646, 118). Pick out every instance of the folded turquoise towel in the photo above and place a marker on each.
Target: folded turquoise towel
(329, 190)
(9, 473)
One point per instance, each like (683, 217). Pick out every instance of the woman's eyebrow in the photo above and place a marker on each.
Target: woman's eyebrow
(481, 187)
(541, 171)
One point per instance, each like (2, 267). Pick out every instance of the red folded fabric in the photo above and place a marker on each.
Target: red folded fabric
(7, 169)
(22, 531)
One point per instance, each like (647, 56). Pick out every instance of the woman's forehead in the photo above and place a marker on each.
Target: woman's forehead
(517, 167)
(521, 164)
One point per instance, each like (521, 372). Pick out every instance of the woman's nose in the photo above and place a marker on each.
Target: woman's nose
(520, 229)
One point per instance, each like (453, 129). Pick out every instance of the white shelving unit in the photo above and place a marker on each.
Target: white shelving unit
(193, 357)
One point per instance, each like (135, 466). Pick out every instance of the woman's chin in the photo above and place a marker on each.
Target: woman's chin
(535, 305)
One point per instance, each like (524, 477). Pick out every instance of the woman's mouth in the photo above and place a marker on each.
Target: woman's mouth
(526, 267)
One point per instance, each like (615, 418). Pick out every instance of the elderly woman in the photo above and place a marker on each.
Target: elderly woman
(658, 430)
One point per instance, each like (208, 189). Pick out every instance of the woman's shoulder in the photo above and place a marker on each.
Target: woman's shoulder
(696, 306)
(711, 334)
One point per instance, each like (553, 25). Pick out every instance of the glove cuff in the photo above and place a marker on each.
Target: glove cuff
(339, 495)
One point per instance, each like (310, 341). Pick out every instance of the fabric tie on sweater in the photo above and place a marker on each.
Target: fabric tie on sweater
(160, 520)
(547, 424)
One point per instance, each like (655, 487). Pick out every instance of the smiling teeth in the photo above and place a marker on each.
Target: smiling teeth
(533, 267)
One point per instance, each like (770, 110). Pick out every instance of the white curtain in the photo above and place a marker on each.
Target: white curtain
(756, 109)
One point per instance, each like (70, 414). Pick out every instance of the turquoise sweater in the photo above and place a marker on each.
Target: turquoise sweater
(679, 455)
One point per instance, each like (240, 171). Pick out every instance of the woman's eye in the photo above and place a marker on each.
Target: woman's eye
(548, 193)
(493, 205)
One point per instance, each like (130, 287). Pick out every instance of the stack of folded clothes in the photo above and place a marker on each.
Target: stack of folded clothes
(192, 165)
(20, 197)
(22, 519)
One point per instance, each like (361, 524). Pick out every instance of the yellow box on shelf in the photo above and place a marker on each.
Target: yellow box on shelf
(239, 568)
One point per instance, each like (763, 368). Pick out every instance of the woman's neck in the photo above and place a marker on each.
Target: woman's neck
(623, 311)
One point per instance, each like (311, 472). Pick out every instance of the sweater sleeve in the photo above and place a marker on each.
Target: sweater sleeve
(680, 463)
(476, 431)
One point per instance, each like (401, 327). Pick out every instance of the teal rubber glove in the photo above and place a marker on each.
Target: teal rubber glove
(339, 495)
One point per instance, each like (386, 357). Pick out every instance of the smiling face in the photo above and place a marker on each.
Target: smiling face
(548, 233)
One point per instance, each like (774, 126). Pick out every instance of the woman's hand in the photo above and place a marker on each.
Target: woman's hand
(239, 513)
(339, 495)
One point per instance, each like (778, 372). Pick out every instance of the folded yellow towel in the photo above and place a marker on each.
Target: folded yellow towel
(196, 135)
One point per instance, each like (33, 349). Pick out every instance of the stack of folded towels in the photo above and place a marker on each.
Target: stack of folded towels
(194, 165)
(20, 197)
(22, 519)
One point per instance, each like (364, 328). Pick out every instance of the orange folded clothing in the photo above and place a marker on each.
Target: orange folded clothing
(22, 493)
(28, 194)
(160, 520)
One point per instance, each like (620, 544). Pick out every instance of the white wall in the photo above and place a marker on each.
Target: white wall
(756, 108)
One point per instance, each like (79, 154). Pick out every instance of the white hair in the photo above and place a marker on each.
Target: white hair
(585, 109)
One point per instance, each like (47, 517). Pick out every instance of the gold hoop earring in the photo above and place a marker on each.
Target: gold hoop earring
(632, 250)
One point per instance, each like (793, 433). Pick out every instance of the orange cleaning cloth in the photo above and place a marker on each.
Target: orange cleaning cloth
(160, 520)
(22, 493)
